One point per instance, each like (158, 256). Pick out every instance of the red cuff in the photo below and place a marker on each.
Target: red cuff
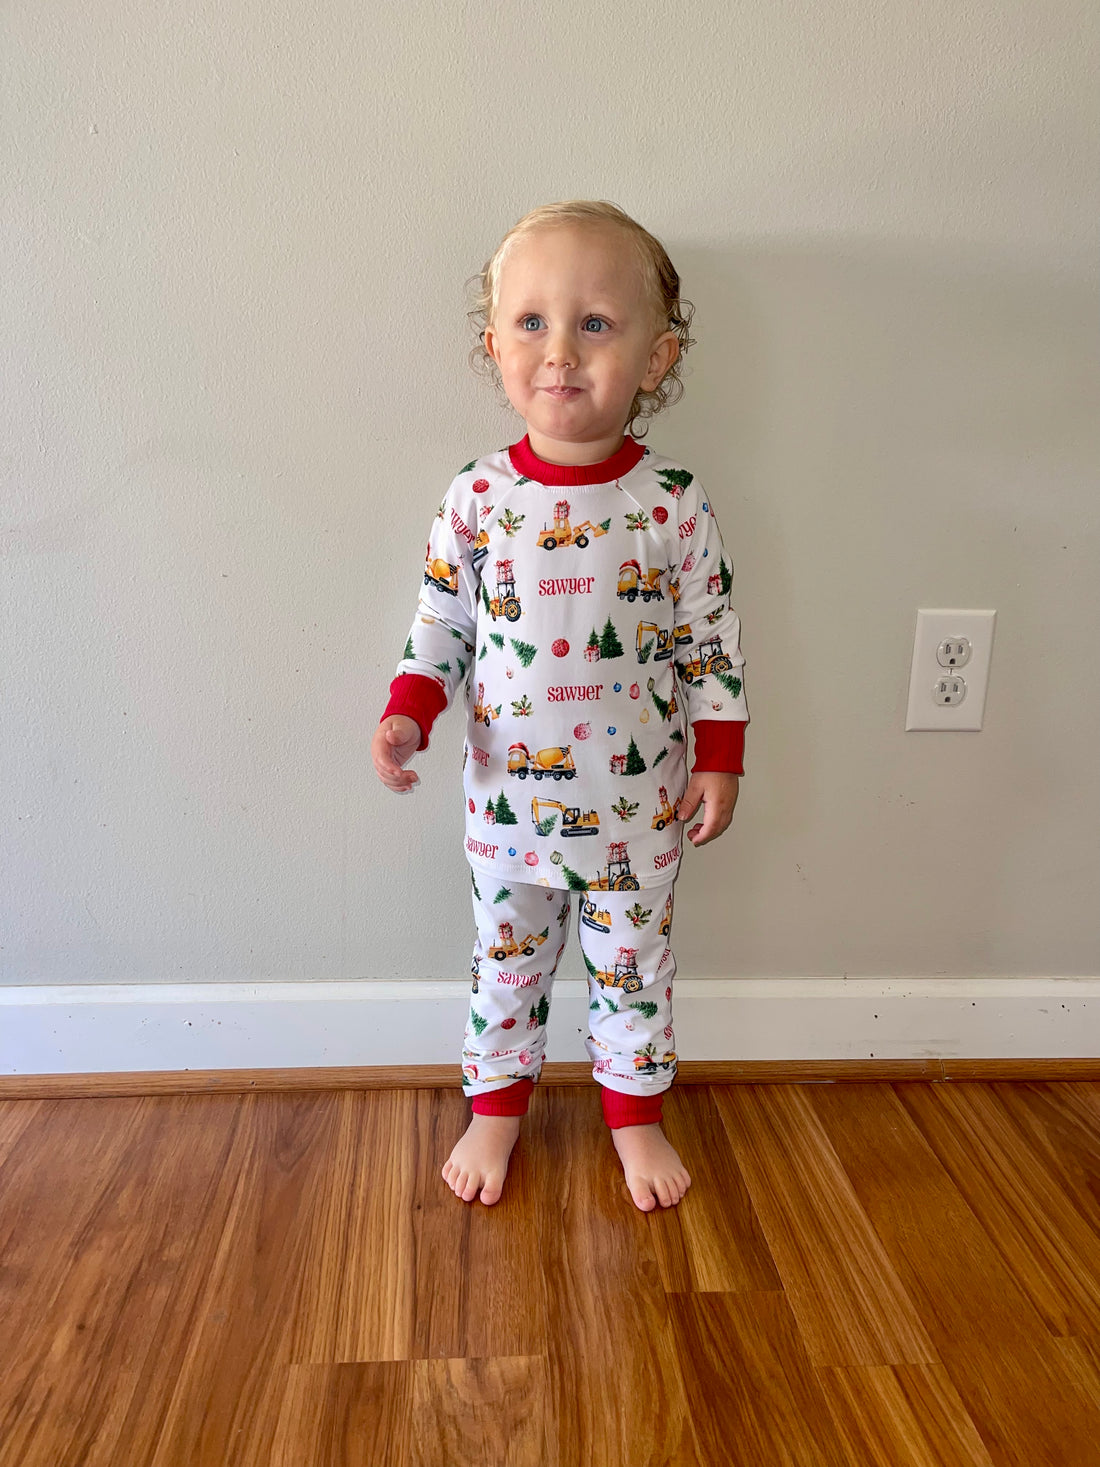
(631, 1110)
(719, 746)
(419, 698)
(511, 1101)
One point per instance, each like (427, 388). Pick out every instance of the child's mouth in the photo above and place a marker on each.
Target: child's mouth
(562, 392)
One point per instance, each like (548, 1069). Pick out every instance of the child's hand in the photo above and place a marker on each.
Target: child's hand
(717, 792)
(395, 741)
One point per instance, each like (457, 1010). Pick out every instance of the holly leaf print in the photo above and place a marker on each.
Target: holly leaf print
(639, 915)
(510, 522)
(523, 708)
(637, 521)
(625, 809)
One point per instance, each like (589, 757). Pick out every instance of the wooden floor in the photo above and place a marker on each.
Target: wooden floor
(861, 1274)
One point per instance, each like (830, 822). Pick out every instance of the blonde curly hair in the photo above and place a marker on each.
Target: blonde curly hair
(659, 278)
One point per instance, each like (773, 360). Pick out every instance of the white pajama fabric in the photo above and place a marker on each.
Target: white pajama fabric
(625, 940)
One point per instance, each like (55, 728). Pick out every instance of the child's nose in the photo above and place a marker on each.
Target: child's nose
(561, 349)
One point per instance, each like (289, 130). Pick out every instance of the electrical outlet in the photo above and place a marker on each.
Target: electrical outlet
(940, 699)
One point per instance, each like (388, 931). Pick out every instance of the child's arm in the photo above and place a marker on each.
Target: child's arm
(440, 646)
(710, 667)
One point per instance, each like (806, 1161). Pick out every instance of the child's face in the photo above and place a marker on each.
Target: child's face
(574, 337)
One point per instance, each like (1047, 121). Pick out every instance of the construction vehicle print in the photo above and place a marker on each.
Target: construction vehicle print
(667, 642)
(634, 582)
(443, 574)
(595, 917)
(646, 1061)
(561, 532)
(674, 590)
(556, 763)
(475, 971)
(665, 926)
(573, 820)
(505, 603)
(470, 1076)
(507, 947)
(624, 975)
(667, 813)
(484, 712)
(707, 657)
(617, 875)
(481, 549)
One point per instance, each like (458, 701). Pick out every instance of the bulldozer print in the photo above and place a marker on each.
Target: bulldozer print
(616, 875)
(507, 947)
(634, 582)
(574, 821)
(595, 917)
(556, 763)
(646, 1061)
(665, 926)
(505, 603)
(667, 813)
(561, 532)
(624, 975)
(707, 657)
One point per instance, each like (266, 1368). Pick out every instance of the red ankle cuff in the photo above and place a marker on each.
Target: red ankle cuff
(631, 1110)
(511, 1101)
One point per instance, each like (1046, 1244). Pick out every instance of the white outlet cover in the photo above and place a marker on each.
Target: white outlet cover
(935, 626)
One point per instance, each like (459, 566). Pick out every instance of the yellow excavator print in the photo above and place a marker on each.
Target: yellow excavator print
(563, 533)
(507, 947)
(593, 916)
(574, 821)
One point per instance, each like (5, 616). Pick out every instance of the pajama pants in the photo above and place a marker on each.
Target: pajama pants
(624, 936)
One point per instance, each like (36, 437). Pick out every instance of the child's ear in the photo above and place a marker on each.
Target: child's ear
(490, 343)
(663, 354)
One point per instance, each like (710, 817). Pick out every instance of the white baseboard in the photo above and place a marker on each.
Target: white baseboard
(118, 1028)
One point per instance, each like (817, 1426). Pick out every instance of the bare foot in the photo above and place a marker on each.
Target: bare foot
(654, 1171)
(480, 1159)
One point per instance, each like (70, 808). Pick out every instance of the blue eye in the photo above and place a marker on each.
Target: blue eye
(598, 321)
(524, 320)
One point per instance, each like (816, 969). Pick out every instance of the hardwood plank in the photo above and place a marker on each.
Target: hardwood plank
(851, 1307)
(494, 1304)
(347, 1415)
(985, 1329)
(753, 1394)
(15, 1117)
(615, 1388)
(222, 1411)
(902, 1416)
(98, 1343)
(1063, 1123)
(1018, 1198)
(356, 1295)
(481, 1413)
(712, 1241)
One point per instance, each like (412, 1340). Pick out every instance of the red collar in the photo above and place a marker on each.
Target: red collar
(527, 462)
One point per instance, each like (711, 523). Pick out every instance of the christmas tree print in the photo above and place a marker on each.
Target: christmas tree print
(468, 467)
(504, 812)
(510, 522)
(461, 667)
(645, 649)
(497, 639)
(409, 647)
(546, 825)
(502, 895)
(726, 572)
(592, 649)
(674, 481)
(610, 646)
(524, 651)
(444, 666)
(483, 651)
(540, 1014)
(485, 597)
(731, 684)
(637, 521)
(645, 1008)
(635, 764)
(573, 881)
(639, 915)
(659, 757)
(473, 878)
(477, 1021)
(523, 479)
(523, 708)
(676, 736)
(659, 703)
(624, 809)
(490, 812)
(442, 507)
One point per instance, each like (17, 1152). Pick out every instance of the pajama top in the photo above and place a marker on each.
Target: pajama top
(588, 622)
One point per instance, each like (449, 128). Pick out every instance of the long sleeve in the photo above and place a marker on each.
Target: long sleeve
(708, 631)
(441, 641)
